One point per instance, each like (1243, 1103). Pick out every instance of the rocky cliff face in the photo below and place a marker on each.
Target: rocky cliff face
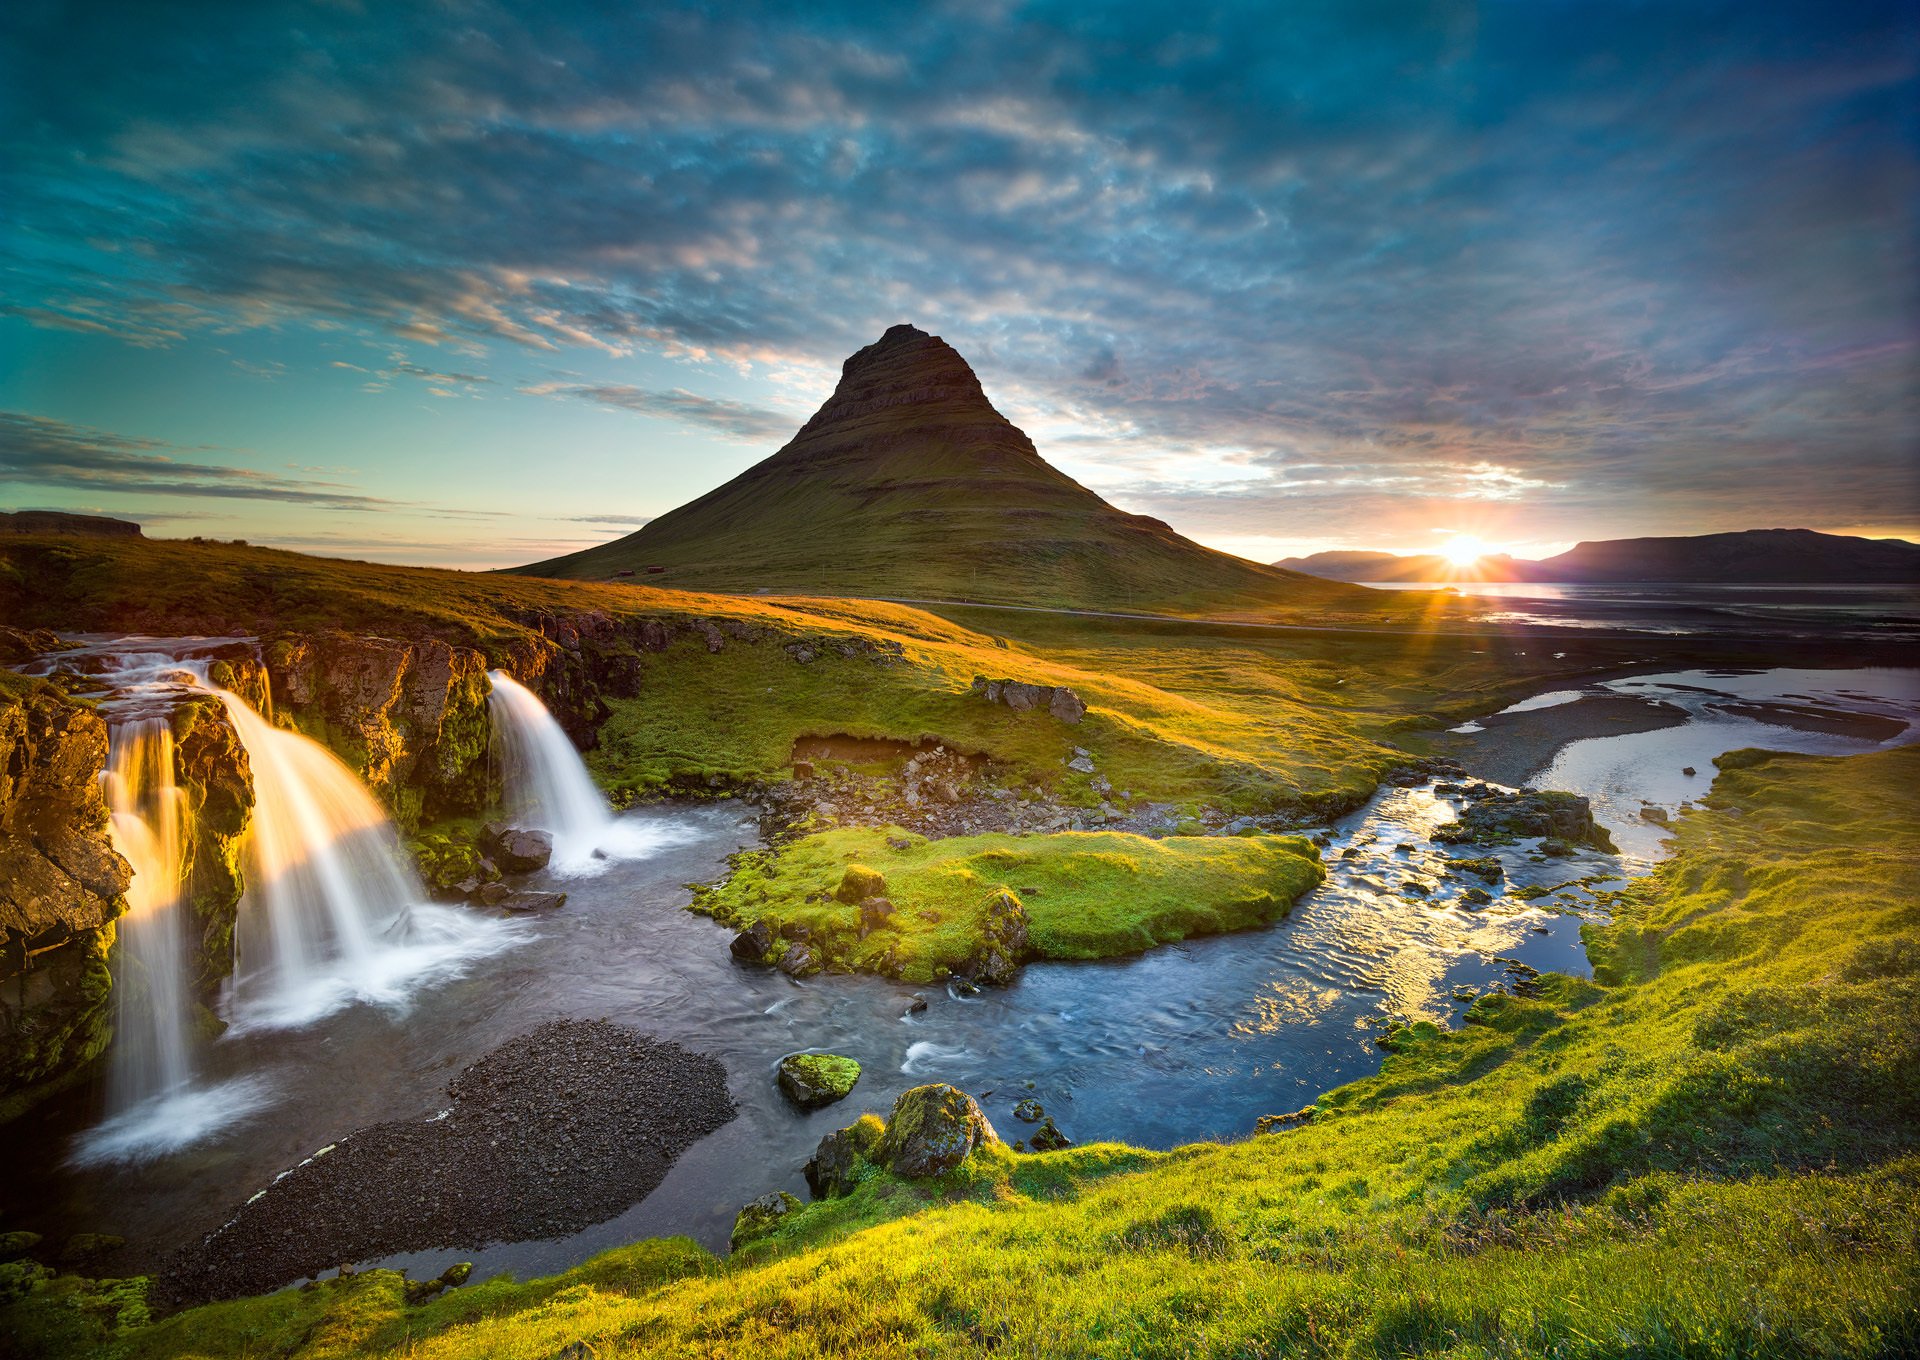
(61, 886)
(212, 771)
(409, 717)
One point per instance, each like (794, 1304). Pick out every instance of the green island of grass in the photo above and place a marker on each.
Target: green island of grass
(1082, 895)
(1707, 1150)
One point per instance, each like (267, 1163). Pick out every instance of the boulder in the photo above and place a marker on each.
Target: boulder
(859, 883)
(841, 1160)
(799, 962)
(1048, 1138)
(933, 1129)
(1066, 706)
(521, 852)
(1499, 818)
(813, 1081)
(762, 1216)
(1081, 764)
(875, 912)
(1029, 1111)
(754, 945)
(533, 901)
(1003, 941)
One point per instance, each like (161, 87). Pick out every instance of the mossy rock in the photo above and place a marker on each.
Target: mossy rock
(762, 1216)
(933, 1129)
(859, 883)
(815, 1080)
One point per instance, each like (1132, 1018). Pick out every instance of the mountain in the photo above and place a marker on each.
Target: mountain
(908, 483)
(1385, 566)
(1752, 556)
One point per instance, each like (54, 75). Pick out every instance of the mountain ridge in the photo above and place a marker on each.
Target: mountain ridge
(1753, 556)
(908, 482)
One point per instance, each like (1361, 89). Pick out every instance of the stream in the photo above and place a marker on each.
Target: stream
(1188, 1042)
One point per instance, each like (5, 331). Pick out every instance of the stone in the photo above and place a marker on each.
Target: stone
(1029, 1111)
(1478, 897)
(754, 945)
(522, 852)
(1047, 1137)
(1688, 770)
(493, 894)
(842, 1159)
(814, 1081)
(419, 1291)
(1003, 941)
(932, 1130)
(1066, 706)
(760, 1217)
(799, 962)
(13, 1244)
(859, 883)
(916, 1006)
(533, 901)
(1081, 764)
(875, 912)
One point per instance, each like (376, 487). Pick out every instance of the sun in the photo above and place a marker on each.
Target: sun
(1463, 550)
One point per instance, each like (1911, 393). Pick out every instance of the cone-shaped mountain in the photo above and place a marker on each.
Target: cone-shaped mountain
(908, 483)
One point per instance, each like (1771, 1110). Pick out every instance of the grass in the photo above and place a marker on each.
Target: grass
(1086, 895)
(1246, 721)
(1710, 1151)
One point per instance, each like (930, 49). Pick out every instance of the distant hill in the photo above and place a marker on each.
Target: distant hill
(908, 483)
(60, 522)
(1760, 556)
(1385, 566)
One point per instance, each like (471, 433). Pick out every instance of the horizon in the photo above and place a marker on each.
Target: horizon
(478, 295)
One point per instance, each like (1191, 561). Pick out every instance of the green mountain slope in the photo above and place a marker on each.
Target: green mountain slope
(909, 484)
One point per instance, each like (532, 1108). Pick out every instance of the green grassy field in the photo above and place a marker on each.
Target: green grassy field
(1709, 1151)
(1245, 721)
(1086, 895)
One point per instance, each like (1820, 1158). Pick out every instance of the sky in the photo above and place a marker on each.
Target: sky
(474, 283)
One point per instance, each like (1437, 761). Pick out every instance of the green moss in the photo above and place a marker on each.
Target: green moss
(1085, 895)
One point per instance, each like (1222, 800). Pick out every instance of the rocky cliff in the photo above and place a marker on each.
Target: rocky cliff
(61, 887)
(212, 772)
(410, 717)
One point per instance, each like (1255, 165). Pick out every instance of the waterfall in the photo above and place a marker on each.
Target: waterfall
(151, 1033)
(547, 787)
(332, 913)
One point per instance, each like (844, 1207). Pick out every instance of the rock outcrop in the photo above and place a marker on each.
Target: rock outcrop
(1021, 697)
(1499, 818)
(213, 774)
(61, 887)
(410, 718)
(932, 1130)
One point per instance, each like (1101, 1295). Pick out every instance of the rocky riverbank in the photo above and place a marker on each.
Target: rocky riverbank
(550, 1133)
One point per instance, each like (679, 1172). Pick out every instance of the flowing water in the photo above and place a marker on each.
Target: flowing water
(546, 786)
(1187, 1042)
(332, 913)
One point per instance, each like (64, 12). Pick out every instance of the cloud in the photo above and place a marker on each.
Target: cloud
(731, 419)
(1652, 261)
(39, 452)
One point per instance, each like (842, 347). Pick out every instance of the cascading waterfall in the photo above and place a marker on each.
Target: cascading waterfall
(151, 1033)
(332, 914)
(547, 787)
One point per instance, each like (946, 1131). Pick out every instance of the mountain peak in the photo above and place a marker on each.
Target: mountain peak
(904, 367)
(908, 482)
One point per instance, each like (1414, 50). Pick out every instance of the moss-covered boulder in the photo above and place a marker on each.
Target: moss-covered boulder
(859, 883)
(762, 1216)
(845, 1157)
(1502, 818)
(815, 1080)
(933, 1129)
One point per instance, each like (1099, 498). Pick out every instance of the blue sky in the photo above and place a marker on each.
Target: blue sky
(475, 283)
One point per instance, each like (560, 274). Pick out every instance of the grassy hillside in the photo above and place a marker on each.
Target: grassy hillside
(908, 483)
(1180, 712)
(1709, 1152)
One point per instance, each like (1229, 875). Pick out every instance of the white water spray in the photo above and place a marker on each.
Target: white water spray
(547, 787)
(332, 913)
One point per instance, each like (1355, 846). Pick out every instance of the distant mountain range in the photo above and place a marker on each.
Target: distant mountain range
(1758, 556)
(908, 483)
